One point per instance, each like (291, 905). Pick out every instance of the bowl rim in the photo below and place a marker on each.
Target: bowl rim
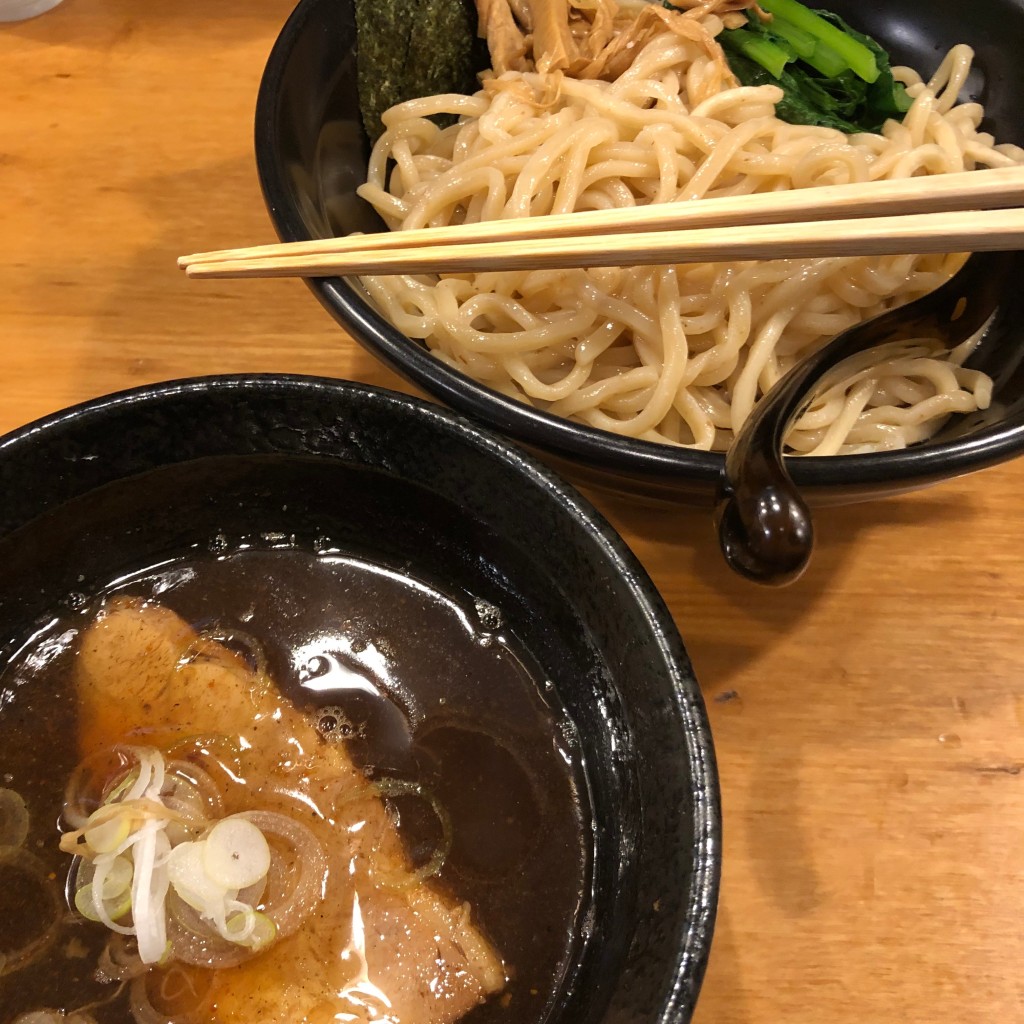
(689, 960)
(902, 468)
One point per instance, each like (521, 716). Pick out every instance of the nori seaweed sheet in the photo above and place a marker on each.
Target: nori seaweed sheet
(410, 48)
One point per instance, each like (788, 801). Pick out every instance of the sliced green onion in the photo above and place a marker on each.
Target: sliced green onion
(263, 933)
(105, 909)
(150, 882)
(108, 835)
(250, 928)
(114, 908)
(190, 880)
(122, 787)
(13, 818)
(143, 775)
(236, 854)
(137, 849)
(118, 878)
(83, 902)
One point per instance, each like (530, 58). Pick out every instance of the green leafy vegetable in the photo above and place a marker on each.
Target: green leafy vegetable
(830, 74)
(762, 49)
(828, 35)
(803, 43)
(410, 48)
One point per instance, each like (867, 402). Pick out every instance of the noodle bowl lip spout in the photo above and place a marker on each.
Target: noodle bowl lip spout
(308, 83)
(104, 489)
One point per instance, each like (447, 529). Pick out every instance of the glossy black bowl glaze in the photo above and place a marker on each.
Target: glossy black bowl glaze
(311, 154)
(118, 484)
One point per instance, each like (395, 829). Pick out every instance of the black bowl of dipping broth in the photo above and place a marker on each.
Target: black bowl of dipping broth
(516, 654)
(311, 154)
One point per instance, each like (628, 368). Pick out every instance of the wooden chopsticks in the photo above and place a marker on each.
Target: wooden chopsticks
(968, 211)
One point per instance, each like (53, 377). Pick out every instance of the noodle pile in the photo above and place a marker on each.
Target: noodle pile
(676, 354)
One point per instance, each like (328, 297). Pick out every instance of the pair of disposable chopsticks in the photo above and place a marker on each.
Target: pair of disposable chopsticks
(964, 211)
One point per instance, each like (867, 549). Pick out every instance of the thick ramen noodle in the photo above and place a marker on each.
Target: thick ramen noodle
(642, 108)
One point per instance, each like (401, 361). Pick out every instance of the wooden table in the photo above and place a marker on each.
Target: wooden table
(868, 720)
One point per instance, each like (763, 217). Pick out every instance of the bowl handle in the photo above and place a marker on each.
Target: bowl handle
(764, 525)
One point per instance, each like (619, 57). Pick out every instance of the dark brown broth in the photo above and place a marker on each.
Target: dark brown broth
(422, 686)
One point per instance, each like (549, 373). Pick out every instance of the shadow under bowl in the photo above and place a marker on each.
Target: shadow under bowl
(311, 154)
(122, 483)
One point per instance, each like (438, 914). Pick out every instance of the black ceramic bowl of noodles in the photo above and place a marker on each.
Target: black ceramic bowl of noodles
(218, 470)
(311, 154)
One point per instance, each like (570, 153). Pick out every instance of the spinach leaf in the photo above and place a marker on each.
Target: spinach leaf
(844, 98)
(804, 99)
(884, 97)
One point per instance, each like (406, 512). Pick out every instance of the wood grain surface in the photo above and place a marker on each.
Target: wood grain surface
(868, 720)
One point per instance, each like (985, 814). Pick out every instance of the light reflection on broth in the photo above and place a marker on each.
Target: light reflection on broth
(430, 759)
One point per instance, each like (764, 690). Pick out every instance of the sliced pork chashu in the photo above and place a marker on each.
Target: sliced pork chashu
(397, 952)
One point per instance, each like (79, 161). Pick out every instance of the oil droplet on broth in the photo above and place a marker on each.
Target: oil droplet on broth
(334, 726)
(219, 544)
(422, 691)
(488, 614)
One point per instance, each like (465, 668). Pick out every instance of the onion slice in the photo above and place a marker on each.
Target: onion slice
(198, 946)
(24, 862)
(289, 910)
(120, 960)
(399, 787)
(143, 1011)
